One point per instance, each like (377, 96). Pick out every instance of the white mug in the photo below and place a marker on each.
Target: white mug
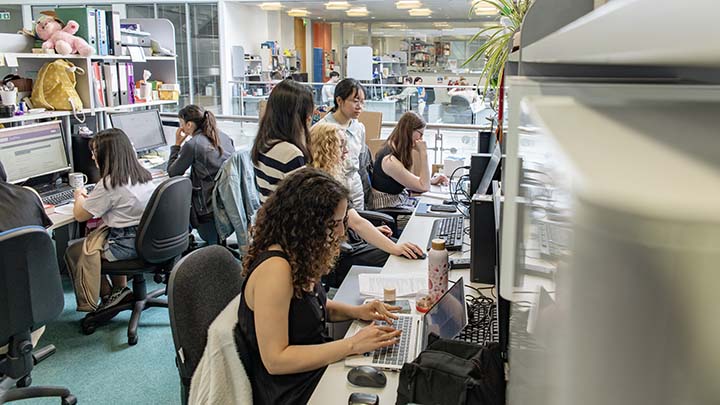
(77, 180)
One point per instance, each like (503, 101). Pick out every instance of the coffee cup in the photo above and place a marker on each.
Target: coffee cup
(77, 180)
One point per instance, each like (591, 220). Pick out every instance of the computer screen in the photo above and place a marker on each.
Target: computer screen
(490, 170)
(144, 128)
(33, 150)
(449, 314)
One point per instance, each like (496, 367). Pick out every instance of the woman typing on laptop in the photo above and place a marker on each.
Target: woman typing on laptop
(282, 317)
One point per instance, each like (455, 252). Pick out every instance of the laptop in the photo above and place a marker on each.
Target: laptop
(445, 319)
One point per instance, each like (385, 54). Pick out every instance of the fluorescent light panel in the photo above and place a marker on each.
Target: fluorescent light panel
(420, 12)
(357, 12)
(298, 12)
(337, 5)
(274, 6)
(408, 4)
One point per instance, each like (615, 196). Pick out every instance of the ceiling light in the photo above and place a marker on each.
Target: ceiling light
(271, 6)
(407, 4)
(420, 12)
(357, 12)
(441, 24)
(298, 12)
(481, 7)
(395, 25)
(337, 5)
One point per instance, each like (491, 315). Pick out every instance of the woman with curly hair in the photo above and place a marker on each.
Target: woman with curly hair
(371, 245)
(283, 310)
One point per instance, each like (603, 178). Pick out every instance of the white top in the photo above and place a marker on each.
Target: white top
(328, 93)
(119, 207)
(355, 133)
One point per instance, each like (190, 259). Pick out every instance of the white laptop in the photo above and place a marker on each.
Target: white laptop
(446, 319)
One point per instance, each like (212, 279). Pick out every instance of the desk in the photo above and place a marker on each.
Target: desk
(333, 387)
(386, 107)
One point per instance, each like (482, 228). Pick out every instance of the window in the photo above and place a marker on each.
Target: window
(10, 19)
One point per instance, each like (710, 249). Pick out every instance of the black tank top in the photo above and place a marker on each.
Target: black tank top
(306, 326)
(380, 180)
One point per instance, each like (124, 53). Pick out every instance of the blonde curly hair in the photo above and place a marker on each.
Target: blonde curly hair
(326, 142)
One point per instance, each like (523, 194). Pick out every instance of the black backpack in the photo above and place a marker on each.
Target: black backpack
(454, 372)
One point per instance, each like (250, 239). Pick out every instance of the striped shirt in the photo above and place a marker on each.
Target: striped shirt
(274, 165)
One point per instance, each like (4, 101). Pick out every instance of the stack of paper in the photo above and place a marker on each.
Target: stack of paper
(405, 285)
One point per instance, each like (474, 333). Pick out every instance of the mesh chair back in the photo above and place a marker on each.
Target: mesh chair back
(459, 101)
(31, 293)
(164, 227)
(201, 286)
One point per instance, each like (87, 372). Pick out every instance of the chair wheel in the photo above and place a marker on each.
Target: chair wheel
(24, 382)
(132, 340)
(68, 400)
(88, 327)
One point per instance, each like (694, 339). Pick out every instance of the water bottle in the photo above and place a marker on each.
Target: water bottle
(438, 266)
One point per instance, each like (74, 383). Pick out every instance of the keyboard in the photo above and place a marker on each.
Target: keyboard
(396, 354)
(450, 229)
(482, 325)
(63, 196)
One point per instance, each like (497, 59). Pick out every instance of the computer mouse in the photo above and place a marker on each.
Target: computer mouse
(361, 398)
(366, 376)
(420, 257)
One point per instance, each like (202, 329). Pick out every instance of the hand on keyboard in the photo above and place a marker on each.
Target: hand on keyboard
(373, 337)
(377, 311)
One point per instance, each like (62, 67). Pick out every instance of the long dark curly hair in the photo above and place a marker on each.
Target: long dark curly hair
(298, 216)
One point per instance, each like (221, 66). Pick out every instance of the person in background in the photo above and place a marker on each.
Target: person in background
(349, 103)
(281, 144)
(119, 198)
(465, 92)
(402, 164)
(408, 91)
(283, 311)
(19, 206)
(371, 245)
(422, 96)
(204, 153)
(328, 89)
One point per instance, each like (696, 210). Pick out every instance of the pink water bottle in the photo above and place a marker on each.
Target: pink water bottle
(438, 265)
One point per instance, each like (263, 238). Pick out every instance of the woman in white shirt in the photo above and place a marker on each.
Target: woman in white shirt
(119, 198)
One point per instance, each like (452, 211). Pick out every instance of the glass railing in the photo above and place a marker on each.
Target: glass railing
(447, 144)
(440, 104)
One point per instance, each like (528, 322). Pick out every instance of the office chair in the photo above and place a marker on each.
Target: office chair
(458, 111)
(32, 296)
(201, 285)
(161, 238)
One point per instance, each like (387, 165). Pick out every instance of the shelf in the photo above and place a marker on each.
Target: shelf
(38, 116)
(136, 105)
(642, 34)
(93, 57)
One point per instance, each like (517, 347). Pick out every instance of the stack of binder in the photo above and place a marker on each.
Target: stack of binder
(100, 28)
(113, 83)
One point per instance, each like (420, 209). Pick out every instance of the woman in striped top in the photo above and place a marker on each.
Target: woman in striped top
(281, 144)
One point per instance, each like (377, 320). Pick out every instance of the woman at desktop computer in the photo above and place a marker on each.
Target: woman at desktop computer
(281, 328)
(204, 153)
(329, 147)
(119, 198)
(402, 164)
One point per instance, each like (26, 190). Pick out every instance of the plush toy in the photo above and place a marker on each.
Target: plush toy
(60, 38)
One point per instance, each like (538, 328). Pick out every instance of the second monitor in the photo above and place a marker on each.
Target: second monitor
(144, 128)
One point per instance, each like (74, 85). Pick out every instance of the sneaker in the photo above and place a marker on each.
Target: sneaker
(118, 295)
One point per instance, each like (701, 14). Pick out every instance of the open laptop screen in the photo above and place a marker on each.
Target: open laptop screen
(448, 316)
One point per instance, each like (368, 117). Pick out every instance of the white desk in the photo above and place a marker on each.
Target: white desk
(386, 107)
(334, 387)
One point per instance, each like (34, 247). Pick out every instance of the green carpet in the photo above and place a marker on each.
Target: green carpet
(101, 368)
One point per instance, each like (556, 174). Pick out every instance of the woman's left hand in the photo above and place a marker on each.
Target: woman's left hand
(385, 230)
(439, 179)
(377, 311)
(180, 136)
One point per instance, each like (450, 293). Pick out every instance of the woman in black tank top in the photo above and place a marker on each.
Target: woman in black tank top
(402, 164)
(281, 332)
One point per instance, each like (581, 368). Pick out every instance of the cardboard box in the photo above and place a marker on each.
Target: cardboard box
(373, 124)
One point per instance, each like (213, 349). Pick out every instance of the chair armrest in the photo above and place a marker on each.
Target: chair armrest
(395, 211)
(377, 218)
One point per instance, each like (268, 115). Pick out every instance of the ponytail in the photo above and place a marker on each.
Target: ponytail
(204, 121)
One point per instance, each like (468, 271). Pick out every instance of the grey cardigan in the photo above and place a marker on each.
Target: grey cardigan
(205, 161)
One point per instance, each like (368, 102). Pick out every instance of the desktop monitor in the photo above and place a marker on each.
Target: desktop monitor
(32, 151)
(480, 184)
(144, 128)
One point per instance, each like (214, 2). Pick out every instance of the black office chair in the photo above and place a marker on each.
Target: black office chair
(201, 286)
(161, 238)
(32, 297)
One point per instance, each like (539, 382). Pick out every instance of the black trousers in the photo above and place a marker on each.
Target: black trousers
(367, 255)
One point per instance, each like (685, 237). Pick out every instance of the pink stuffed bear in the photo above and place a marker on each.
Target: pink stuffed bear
(61, 39)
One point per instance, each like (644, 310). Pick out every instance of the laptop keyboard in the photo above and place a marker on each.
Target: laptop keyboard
(396, 354)
(64, 196)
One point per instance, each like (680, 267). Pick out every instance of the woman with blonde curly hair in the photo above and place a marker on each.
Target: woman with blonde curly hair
(283, 310)
(371, 246)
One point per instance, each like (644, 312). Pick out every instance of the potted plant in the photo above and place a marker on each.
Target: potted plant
(501, 40)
